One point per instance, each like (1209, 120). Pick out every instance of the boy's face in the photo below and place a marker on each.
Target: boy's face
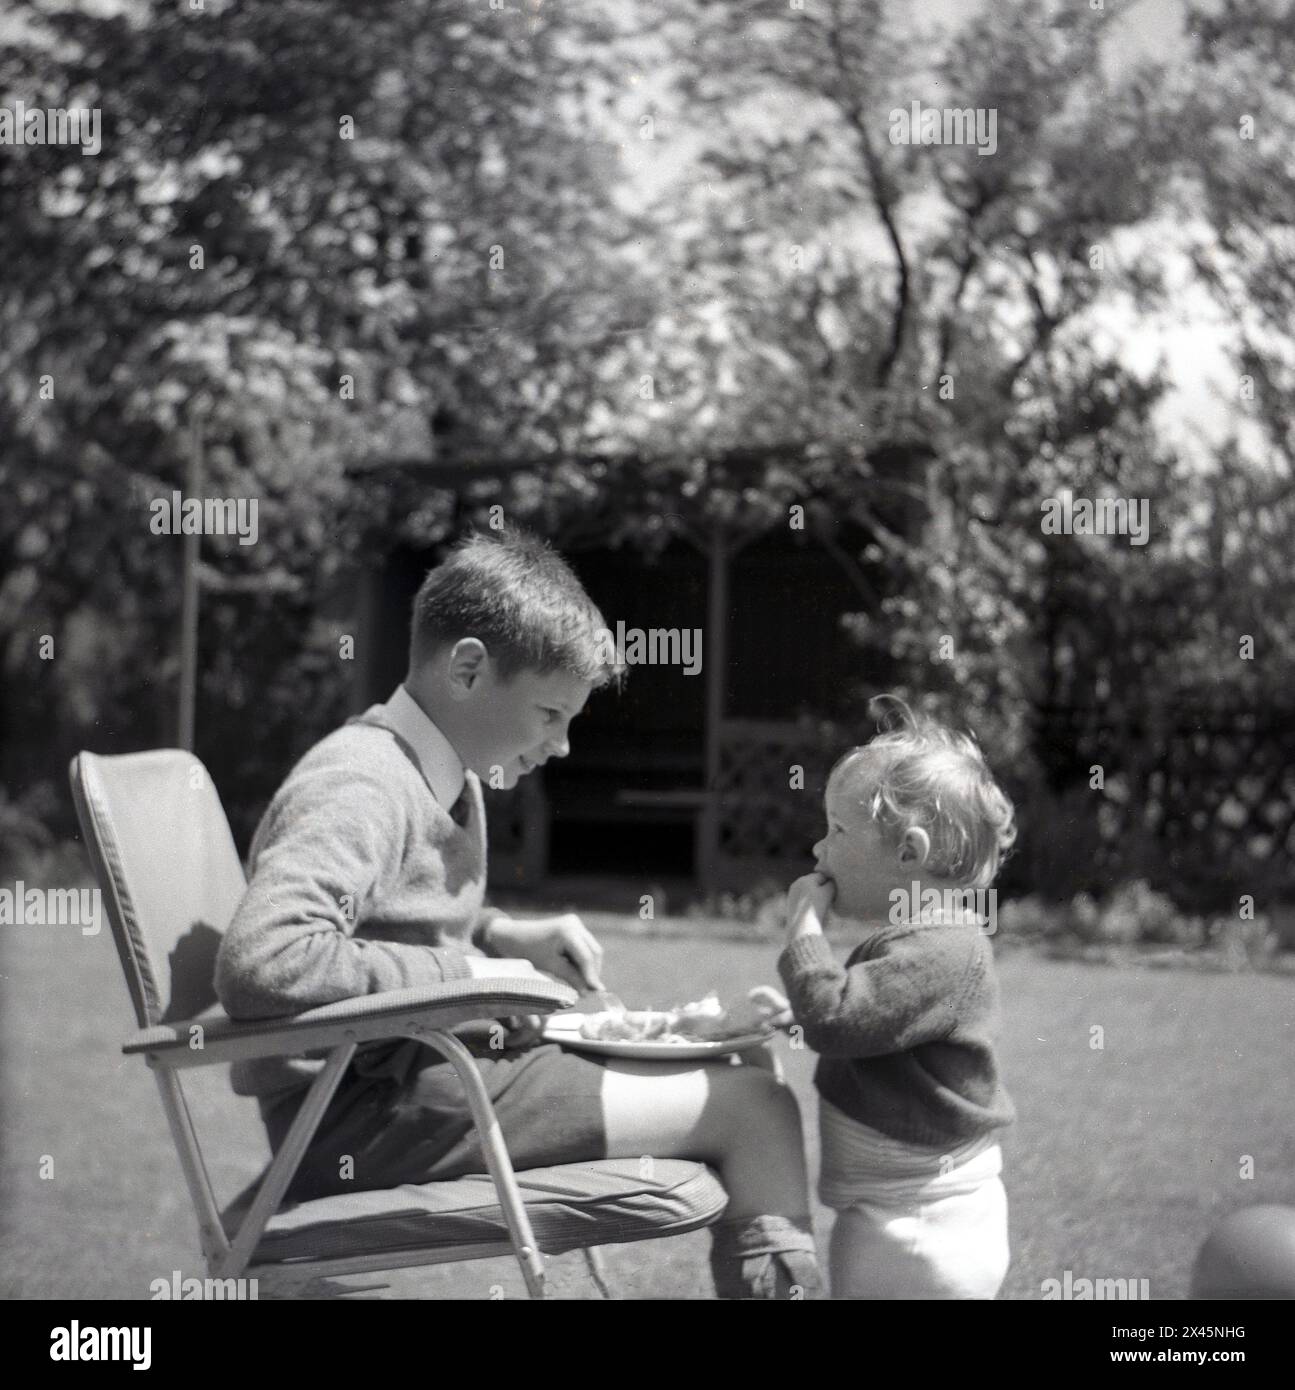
(517, 725)
(857, 854)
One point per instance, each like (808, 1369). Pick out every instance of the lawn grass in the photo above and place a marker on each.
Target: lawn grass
(1122, 1159)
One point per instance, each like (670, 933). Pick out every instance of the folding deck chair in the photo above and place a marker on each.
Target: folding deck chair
(171, 880)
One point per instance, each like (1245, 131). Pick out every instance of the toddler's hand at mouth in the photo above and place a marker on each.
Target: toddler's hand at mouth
(809, 899)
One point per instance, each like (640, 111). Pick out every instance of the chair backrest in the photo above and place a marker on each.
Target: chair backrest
(171, 878)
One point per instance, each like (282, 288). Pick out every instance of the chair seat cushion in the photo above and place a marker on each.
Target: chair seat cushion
(608, 1202)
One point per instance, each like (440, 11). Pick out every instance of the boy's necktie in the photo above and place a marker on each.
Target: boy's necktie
(462, 808)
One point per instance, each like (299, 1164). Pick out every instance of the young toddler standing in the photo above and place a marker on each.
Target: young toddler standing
(909, 1090)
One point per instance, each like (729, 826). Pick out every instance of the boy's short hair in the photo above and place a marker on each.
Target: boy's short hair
(919, 773)
(520, 598)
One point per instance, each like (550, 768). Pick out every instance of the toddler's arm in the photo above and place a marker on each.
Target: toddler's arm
(890, 1003)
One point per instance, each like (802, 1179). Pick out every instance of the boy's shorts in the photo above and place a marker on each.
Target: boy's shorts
(400, 1115)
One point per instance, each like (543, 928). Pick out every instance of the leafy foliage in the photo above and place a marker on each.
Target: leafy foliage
(909, 341)
(316, 235)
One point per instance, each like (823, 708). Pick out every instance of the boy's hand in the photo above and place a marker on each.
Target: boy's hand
(809, 900)
(561, 946)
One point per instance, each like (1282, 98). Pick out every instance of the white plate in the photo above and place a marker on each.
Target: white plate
(565, 1029)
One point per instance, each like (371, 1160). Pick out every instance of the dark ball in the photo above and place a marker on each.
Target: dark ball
(1249, 1254)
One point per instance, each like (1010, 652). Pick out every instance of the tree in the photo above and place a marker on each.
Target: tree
(318, 233)
(923, 315)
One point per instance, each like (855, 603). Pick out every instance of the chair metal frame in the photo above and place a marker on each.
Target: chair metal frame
(212, 1039)
(231, 1258)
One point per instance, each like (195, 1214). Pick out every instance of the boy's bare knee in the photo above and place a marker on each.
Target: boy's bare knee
(753, 1098)
(782, 1100)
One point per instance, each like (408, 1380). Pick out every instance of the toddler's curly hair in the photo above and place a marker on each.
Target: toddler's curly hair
(919, 773)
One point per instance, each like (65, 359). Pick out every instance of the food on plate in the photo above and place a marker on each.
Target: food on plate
(703, 1020)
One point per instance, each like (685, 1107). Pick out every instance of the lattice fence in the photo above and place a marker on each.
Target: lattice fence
(765, 815)
(1205, 805)
(1213, 794)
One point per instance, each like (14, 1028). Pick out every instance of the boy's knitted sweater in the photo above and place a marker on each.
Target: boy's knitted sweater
(904, 1029)
(360, 881)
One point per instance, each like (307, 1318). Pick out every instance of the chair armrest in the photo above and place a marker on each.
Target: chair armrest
(217, 1038)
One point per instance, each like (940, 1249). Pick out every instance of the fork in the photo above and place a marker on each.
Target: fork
(601, 999)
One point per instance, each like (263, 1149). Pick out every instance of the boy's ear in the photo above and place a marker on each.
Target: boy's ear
(915, 847)
(466, 666)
